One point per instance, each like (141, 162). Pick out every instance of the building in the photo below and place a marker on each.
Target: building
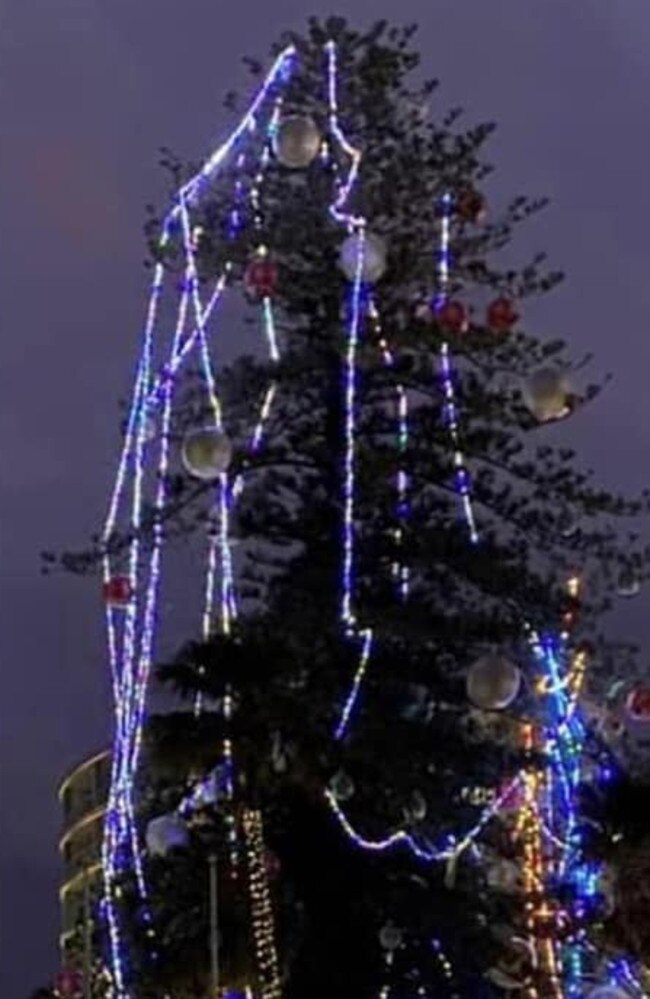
(83, 795)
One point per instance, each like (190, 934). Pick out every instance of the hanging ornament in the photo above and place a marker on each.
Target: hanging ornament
(342, 786)
(261, 276)
(636, 713)
(501, 315)
(206, 453)
(165, 833)
(374, 257)
(493, 682)
(471, 206)
(504, 876)
(567, 523)
(390, 937)
(606, 888)
(279, 760)
(416, 703)
(297, 141)
(117, 591)
(416, 808)
(272, 865)
(547, 394)
(68, 984)
(629, 584)
(422, 311)
(452, 317)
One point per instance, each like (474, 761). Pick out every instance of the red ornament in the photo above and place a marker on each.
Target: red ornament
(471, 206)
(261, 277)
(638, 704)
(117, 591)
(68, 983)
(501, 315)
(272, 865)
(452, 317)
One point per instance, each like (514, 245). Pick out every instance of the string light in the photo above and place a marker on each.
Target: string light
(261, 907)
(450, 415)
(130, 653)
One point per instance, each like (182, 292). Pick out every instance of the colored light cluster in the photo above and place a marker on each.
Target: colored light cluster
(550, 833)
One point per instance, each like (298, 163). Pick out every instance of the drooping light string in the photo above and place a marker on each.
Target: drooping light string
(130, 652)
(454, 846)
(366, 636)
(401, 571)
(280, 73)
(358, 308)
(447, 375)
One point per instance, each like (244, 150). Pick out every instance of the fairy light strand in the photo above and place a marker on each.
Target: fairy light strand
(450, 413)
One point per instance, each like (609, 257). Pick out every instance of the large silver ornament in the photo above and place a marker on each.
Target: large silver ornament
(547, 393)
(493, 682)
(297, 141)
(374, 257)
(629, 584)
(165, 833)
(206, 453)
(341, 786)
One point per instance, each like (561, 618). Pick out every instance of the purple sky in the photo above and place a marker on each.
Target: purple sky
(88, 92)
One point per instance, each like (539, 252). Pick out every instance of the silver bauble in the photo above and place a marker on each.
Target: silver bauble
(206, 453)
(416, 808)
(297, 141)
(547, 393)
(504, 876)
(493, 682)
(165, 833)
(567, 523)
(342, 786)
(390, 937)
(628, 584)
(374, 257)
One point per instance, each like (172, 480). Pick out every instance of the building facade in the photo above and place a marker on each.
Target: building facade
(83, 795)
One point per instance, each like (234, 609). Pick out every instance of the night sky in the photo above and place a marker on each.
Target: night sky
(89, 90)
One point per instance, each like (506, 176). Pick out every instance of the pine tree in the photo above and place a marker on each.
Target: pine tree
(416, 754)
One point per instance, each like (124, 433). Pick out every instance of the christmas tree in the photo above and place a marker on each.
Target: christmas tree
(376, 782)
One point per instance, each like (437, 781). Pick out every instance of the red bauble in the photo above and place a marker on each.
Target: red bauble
(261, 277)
(117, 591)
(452, 317)
(501, 315)
(471, 206)
(272, 865)
(638, 703)
(68, 983)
